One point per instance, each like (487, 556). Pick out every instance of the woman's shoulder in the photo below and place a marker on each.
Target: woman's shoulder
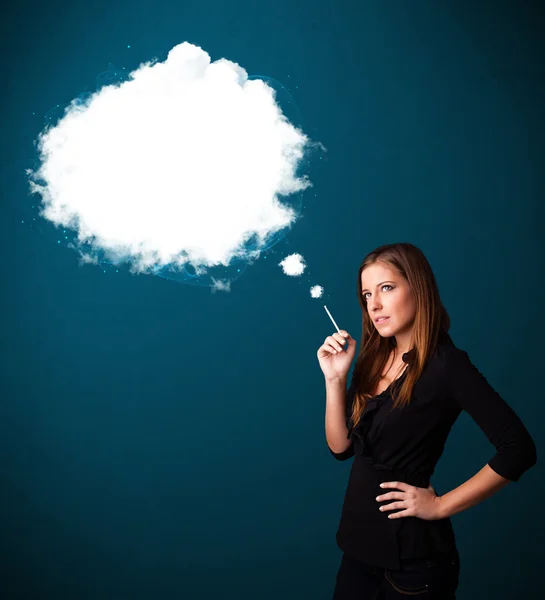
(447, 354)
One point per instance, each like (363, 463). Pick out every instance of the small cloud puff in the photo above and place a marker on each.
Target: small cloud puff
(316, 291)
(293, 265)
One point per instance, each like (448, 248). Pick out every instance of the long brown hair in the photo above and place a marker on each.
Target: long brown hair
(431, 321)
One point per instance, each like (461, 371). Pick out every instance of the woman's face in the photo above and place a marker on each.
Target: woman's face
(387, 294)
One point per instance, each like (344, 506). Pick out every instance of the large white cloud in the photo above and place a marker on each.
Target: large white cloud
(184, 162)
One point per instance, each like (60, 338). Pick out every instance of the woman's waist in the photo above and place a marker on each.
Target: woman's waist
(364, 468)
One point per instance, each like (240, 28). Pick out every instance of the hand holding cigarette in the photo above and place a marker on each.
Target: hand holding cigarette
(333, 361)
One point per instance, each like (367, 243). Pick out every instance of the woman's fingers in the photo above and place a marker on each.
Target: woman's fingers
(334, 341)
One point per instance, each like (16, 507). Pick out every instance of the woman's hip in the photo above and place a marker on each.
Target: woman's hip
(434, 577)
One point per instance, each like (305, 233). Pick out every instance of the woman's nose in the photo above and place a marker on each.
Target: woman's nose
(375, 305)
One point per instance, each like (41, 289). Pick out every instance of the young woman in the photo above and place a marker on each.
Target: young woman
(409, 385)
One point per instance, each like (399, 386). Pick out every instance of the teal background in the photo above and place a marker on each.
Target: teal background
(160, 441)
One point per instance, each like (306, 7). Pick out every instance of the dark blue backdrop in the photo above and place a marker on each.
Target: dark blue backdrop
(160, 441)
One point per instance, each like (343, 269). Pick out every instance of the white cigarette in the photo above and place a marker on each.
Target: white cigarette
(332, 319)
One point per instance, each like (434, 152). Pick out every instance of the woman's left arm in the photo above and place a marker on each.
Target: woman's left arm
(480, 487)
(515, 448)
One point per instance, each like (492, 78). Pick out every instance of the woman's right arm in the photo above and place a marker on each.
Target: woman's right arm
(336, 431)
(335, 364)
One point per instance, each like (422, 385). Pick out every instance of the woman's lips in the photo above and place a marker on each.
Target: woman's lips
(382, 321)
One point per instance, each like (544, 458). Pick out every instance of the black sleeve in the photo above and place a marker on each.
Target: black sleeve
(515, 448)
(349, 452)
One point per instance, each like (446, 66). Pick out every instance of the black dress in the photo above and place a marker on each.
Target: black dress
(405, 445)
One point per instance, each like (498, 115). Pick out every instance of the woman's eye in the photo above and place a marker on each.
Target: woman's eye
(384, 286)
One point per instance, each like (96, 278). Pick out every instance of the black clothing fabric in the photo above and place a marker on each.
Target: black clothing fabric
(406, 444)
(434, 579)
